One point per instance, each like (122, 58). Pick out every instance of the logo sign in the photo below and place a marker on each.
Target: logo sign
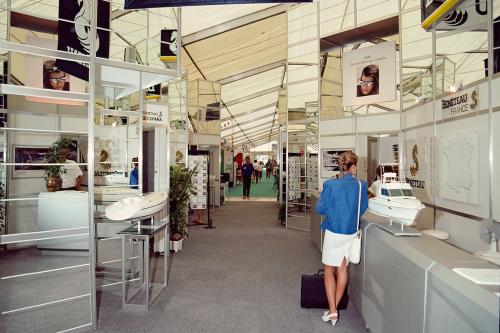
(414, 166)
(74, 33)
(155, 115)
(140, 4)
(459, 103)
(153, 92)
(469, 14)
(168, 47)
(416, 162)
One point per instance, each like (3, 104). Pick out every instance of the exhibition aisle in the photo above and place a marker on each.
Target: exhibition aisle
(264, 189)
(243, 276)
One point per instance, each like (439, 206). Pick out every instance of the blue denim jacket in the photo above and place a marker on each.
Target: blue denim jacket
(339, 202)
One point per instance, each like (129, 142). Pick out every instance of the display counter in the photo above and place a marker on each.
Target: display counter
(407, 284)
(63, 210)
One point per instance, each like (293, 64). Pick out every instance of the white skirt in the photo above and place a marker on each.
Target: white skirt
(336, 247)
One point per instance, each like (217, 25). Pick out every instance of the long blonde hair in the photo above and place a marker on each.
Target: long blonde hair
(346, 161)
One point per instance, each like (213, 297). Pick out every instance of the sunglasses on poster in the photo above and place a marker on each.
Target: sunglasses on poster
(365, 83)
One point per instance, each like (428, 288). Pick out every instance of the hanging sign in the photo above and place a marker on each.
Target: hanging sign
(168, 47)
(74, 33)
(153, 92)
(369, 75)
(459, 103)
(155, 115)
(141, 4)
(470, 14)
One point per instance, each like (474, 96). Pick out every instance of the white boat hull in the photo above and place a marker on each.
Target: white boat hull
(116, 180)
(403, 215)
(137, 206)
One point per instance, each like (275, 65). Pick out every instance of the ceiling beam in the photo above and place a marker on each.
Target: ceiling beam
(234, 24)
(259, 130)
(254, 95)
(249, 121)
(254, 138)
(257, 141)
(252, 72)
(268, 106)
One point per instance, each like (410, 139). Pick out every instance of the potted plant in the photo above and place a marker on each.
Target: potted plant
(181, 190)
(54, 156)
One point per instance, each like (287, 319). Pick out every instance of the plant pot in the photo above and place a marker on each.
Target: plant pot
(53, 184)
(176, 246)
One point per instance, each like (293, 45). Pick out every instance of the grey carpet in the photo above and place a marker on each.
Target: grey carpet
(243, 276)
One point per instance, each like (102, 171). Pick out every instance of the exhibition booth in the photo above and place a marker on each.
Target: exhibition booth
(99, 123)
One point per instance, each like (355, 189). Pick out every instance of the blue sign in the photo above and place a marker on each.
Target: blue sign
(139, 4)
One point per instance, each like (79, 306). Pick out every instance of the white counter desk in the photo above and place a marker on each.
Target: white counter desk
(63, 210)
(406, 284)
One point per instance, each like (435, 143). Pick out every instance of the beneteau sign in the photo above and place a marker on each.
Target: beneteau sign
(459, 103)
(138, 4)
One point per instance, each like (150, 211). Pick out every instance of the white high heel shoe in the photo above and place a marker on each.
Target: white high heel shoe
(334, 317)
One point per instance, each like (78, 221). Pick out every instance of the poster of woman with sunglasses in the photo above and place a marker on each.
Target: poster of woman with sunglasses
(53, 78)
(368, 81)
(369, 75)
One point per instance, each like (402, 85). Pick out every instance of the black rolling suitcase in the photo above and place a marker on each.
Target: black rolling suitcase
(313, 295)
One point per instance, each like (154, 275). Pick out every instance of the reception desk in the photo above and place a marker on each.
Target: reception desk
(406, 284)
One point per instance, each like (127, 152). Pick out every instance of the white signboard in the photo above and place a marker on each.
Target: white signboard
(459, 103)
(369, 75)
(155, 115)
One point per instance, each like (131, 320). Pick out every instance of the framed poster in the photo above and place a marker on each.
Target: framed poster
(369, 75)
(29, 155)
(330, 161)
(47, 75)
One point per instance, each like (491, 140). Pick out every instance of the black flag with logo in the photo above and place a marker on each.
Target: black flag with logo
(74, 33)
(138, 4)
(153, 92)
(168, 47)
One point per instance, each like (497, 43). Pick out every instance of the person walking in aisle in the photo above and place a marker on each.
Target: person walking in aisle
(256, 171)
(247, 170)
(268, 169)
(339, 202)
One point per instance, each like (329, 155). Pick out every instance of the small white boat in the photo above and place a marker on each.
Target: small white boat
(108, 194)
(394, 200)
(116, 179)
(137, 206)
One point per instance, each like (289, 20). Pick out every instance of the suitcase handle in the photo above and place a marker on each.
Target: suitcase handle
(321, 272)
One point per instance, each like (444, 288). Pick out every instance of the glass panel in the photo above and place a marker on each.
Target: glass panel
(407, 193)
(395, 192)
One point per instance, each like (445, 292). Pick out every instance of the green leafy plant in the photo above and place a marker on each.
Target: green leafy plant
(54, 156)
(181, 190)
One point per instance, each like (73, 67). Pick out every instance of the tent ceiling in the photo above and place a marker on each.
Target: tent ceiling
(249, 62)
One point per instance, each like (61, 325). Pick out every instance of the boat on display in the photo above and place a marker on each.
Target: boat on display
(394, 199)
(135, 207)
(116, 179)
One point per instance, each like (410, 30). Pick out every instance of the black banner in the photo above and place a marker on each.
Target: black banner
(153, 92)
(75, 37)
(140, 4)
(168, 47)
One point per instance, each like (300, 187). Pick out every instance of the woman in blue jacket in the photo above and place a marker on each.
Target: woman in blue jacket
(339, 202)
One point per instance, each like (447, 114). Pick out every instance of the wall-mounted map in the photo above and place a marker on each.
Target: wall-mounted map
(459, 166)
